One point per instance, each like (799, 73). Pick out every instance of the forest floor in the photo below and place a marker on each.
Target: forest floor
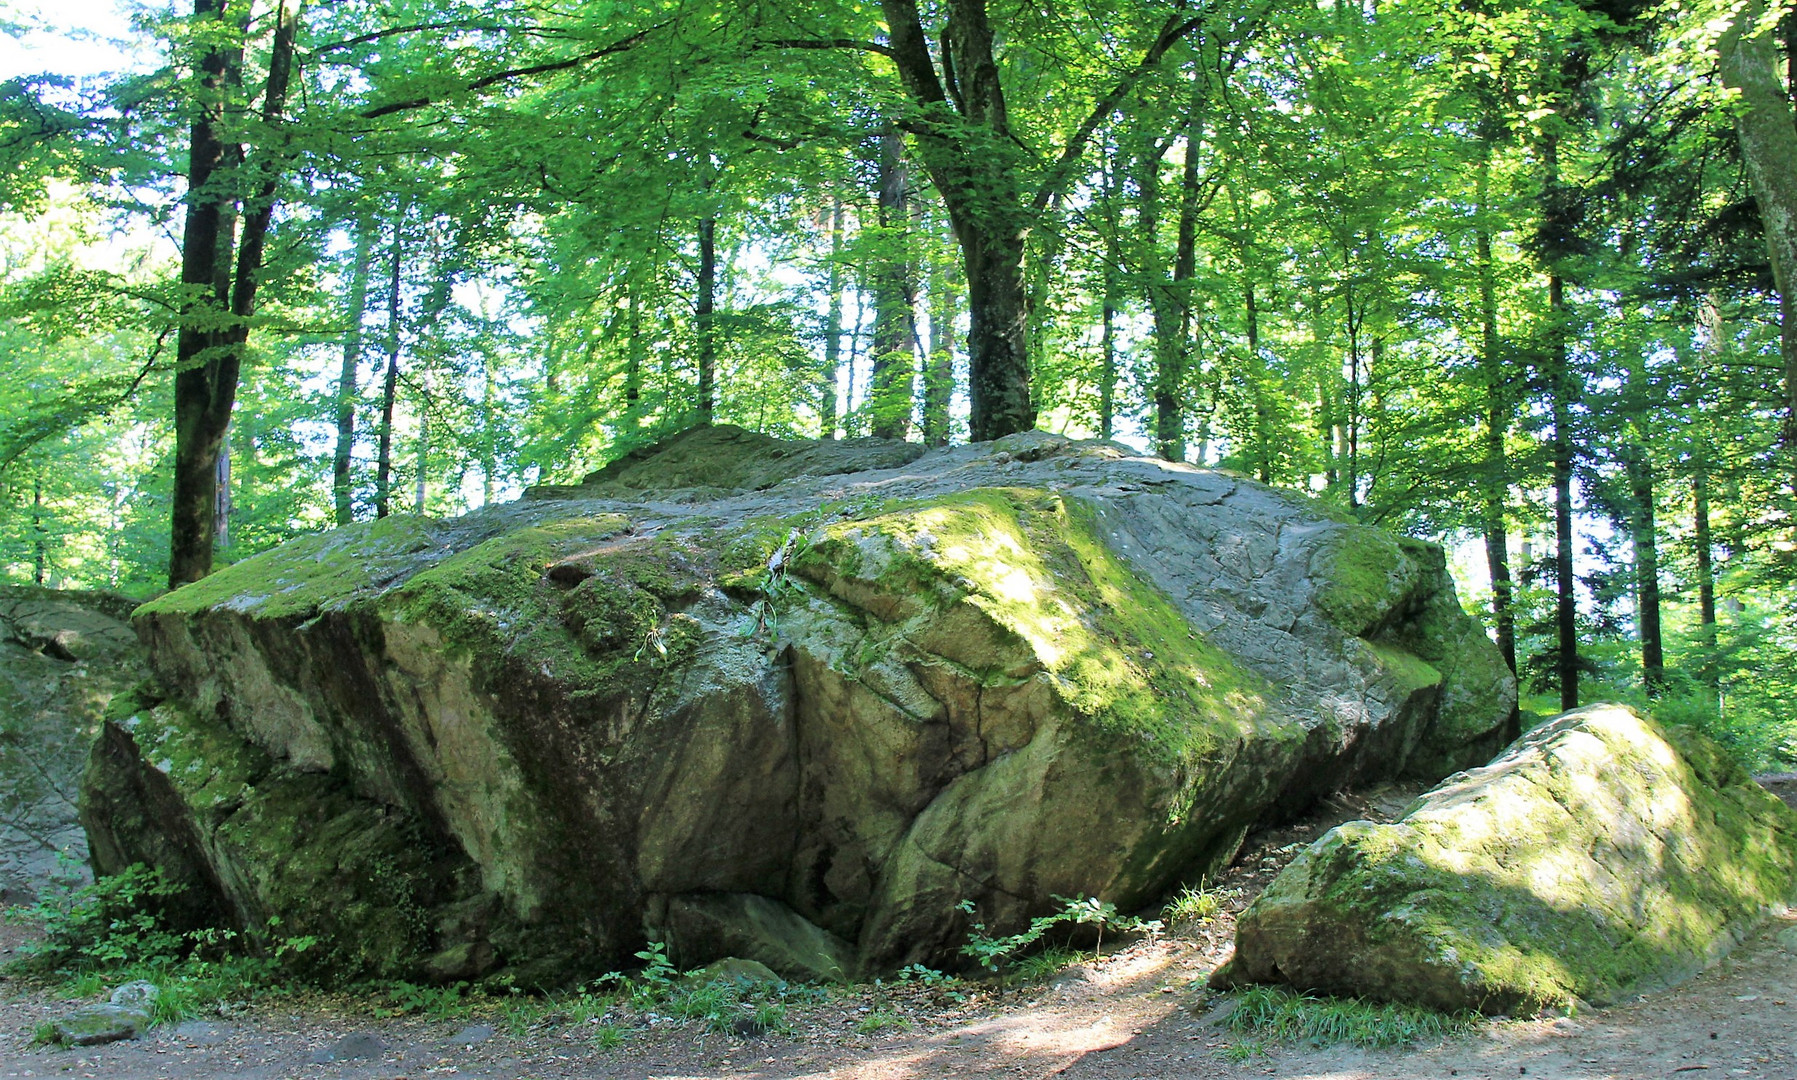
(1137, 1012)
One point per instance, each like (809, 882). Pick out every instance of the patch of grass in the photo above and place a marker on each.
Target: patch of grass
(608, 1036)
(1198, 903)
(1046, 964)
(881, 1019)
(1283, 1014)
(1245, 1050)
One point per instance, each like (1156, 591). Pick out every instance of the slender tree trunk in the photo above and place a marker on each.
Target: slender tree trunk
(1351, 424)
(1496, 486)
(939, 374)
(420, 487)
(40, 549)
(636, 353)
(831, 384)
(342, 490)
(383, 466)
(1767, 131)
(1113, 263)
(489, 458)
(703, 315)
(221, 499)
(1559, 383)
(1644, 528)
(892, 384)
(1263, 410)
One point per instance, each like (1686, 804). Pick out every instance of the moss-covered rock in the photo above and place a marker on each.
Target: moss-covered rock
(854, 700)
(1601, 855)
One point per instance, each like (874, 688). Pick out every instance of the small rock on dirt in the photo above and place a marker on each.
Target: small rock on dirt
(98, 1025)
(138, 994)
(471, 1035)
(362, 1044)
(1788, 938)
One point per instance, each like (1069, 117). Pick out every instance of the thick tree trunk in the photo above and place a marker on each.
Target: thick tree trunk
(999, 384)
(703, 316)
(383, 466)
(221, 498)
(892, 385)
(1768, 136)
(220, 297)
(342, 490)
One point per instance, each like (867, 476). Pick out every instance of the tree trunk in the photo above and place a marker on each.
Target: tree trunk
(831, 384)
(221, 500)
(636, 352)
(342, 490)
(383, 467)
(939, 373)
(221, 296)
(1113, 262)
(1644, 528)
(40, 550)
(1496, 477)
(703, 318)
(892, 385)
(1566, 612)
(1768, 135)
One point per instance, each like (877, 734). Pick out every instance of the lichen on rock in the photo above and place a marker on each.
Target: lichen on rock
(849, 685)
(1601, 855)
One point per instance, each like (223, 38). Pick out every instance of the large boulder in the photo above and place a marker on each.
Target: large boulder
(542, 733)
(64, 656)
(1600, 856)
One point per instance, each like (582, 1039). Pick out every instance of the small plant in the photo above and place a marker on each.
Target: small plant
(997, 954)
(881, 1019)
(1278, 1012)
(1197, 904)
(608, 1036)
(921, 975)
(1245, 1050)
(106, 925)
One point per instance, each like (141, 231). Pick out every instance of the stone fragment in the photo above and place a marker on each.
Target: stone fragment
(354, 1047)
(1602, 855)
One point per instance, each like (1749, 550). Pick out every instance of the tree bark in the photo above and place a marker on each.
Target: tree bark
(1496, 477)
(40, 550)
(939, 372)
(703, 316)
(1767, 131)
(1113, 263)
(383, 466)
(1644, 529)
(831, 383)
(221, 297)
(342, 490)
(892, 386)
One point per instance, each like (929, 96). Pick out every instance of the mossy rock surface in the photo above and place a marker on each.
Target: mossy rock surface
(848, 684)
(1600, 856)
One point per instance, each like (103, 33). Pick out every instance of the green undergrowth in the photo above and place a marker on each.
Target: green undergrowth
(1279, 1013)
(95, 937)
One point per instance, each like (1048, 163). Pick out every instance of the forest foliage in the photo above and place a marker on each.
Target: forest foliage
(1513, 276)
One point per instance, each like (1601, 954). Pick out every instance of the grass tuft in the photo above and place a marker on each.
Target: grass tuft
(1283, 1014)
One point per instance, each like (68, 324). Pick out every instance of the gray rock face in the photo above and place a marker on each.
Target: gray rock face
(848, 701)
(63, 657)
(1599, 856)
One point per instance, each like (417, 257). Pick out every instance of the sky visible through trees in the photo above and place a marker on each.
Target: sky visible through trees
(1514, 276)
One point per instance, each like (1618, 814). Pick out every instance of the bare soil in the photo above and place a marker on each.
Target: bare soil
(1138, 1012)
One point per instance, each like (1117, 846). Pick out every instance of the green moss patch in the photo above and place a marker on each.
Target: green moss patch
(1121, 655)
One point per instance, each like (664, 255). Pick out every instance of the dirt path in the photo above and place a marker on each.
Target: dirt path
(1135, 1014)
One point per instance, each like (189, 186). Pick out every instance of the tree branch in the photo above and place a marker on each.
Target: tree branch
(1058, 174)
(497, 77)
(832, 43)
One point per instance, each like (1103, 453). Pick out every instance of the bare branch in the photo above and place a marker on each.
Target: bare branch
(497, 77)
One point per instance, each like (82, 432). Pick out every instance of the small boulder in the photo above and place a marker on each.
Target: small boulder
(702, 925)
(735, 971)
(137, 994)
(97, 1025)
(1601, 855)
(362, 1044)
